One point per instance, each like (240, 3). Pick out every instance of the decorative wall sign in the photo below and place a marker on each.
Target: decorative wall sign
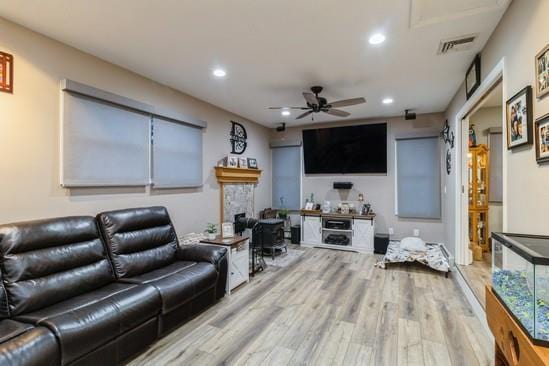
(446, 135)
(448, 162)
(542, 139)
(519, 118)
(6, 72)
(542, 72)
(238, 138)
(472, 77)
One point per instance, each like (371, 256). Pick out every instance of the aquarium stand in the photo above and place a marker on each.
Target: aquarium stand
(513, 346)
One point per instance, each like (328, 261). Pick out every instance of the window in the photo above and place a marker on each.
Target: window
(176, 154)
(418, 178)
(103, 144)
(286, 177)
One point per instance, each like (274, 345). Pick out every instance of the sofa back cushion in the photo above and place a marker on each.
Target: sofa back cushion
(44, 262)
(139, 240)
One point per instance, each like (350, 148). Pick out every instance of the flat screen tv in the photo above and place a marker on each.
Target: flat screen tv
(346, 150)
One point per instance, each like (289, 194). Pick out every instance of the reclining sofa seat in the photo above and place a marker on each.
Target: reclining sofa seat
(143, 247)
(57, 276)
(24, 344)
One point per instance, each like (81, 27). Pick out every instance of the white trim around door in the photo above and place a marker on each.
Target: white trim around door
(462, 252)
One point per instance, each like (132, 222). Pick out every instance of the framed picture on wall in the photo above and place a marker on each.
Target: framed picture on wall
(542, 139)
(542, 73)
(6, 72)
(243, 162)
(472, 77)
(519, 118)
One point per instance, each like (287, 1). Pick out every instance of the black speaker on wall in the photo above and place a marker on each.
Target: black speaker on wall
(343, 185)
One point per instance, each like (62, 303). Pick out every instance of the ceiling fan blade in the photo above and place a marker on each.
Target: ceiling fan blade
(337, 112)
(310, 98)
(304, 115)
(300, 108)
(347, 102)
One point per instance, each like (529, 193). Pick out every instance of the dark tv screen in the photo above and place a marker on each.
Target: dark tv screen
(346, 150)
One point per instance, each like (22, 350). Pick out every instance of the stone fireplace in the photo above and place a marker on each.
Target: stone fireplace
(237, 186)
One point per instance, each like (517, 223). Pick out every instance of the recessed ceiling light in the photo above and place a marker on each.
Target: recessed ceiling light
(219, 73)
(387, 101)
(377, 38)
(285, 112)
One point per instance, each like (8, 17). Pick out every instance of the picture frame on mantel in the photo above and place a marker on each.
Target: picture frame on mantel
(472, 77)
(519, 118)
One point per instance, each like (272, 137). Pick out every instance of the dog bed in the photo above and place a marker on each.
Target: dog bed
(433, 257)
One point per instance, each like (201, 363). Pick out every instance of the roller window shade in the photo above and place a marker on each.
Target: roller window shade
(286, 177)
(418, 178)
(103, 144)
(177, 154)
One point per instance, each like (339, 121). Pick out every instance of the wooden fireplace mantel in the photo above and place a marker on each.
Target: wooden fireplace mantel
(236, 175)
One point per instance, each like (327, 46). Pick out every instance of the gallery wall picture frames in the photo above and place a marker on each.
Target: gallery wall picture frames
(519, 118)
(472, 77)
(541, 131)
(542, 73)
(6, 72)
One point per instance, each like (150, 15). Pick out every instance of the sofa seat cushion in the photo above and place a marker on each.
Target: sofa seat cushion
(179, 282)
(88, 321)
(10, 329)
(23, 344)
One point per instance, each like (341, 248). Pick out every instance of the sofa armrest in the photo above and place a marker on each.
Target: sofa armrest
(202, 253)
(213, 254)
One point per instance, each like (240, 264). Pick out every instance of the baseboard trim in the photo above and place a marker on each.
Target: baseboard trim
(478, 310)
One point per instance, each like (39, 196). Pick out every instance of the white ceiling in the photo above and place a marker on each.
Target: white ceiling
(275, 50)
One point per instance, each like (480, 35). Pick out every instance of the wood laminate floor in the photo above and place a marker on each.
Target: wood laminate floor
(332, 308)
(477, 275)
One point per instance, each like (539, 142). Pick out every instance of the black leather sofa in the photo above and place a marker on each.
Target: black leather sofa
(87, 291)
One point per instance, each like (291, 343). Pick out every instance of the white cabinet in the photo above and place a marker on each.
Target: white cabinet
(238, 258)
(312, 229)
(238, 266)
(363, 234)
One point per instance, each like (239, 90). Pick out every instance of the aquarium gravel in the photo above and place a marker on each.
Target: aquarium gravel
(512, 287)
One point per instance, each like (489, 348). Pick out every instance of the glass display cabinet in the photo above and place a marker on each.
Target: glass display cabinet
(478, 167)
(520, 279)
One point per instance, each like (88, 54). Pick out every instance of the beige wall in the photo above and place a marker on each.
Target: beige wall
(521, 34)
(29, 126)
(484, 119)
(379, 190)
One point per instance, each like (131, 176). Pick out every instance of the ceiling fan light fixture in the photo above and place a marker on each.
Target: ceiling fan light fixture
(377, 38)
(387, 100)
(219, 73)
(285, 112)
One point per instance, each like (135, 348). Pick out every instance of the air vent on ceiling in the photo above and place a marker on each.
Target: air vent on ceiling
(457, 44)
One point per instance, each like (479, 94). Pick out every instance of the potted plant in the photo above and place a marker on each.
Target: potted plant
(283, 212)
(211, 229)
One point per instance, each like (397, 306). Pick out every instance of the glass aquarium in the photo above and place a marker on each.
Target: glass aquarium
(520, 279)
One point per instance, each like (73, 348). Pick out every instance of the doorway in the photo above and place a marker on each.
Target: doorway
(483, 183)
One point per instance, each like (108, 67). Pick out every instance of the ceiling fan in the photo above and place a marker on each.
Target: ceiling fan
(316, 104)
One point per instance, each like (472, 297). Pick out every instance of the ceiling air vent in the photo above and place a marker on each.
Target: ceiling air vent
(457, 44)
